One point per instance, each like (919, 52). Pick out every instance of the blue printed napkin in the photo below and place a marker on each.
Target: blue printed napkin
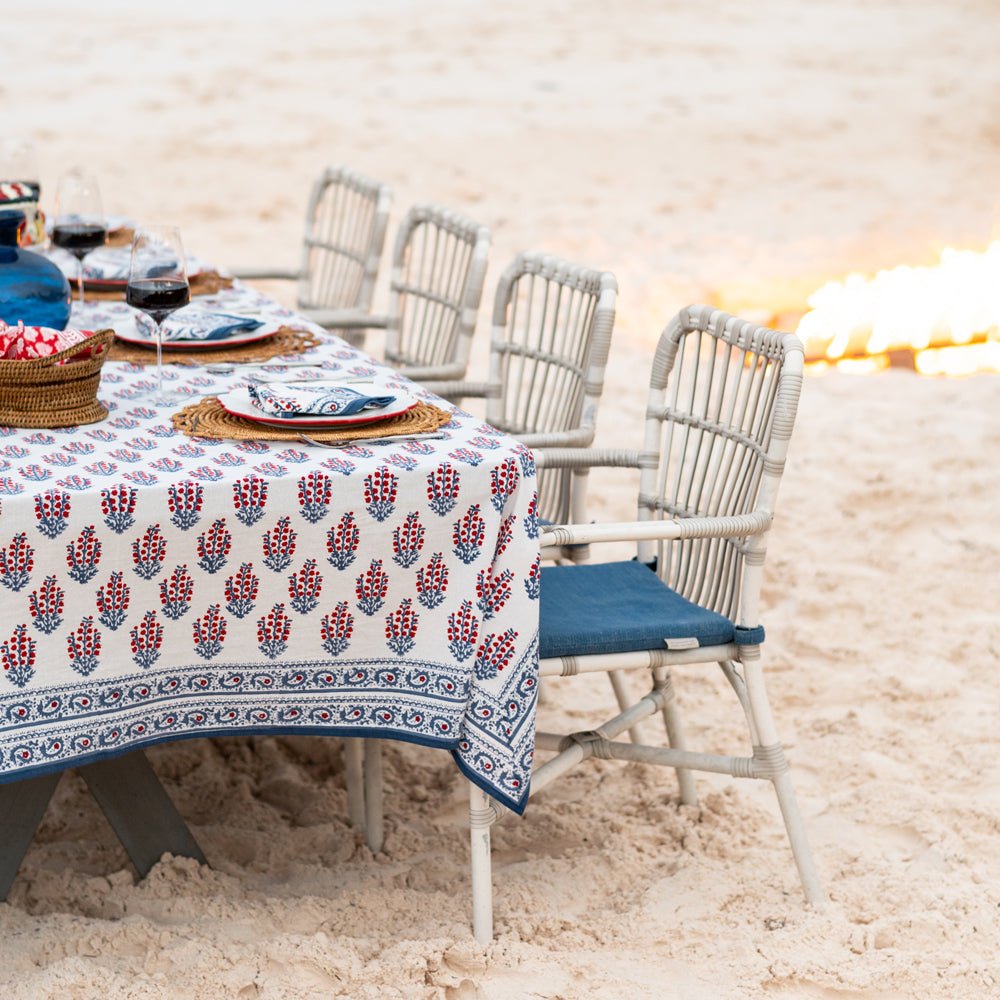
(300, 399)
(199, 325)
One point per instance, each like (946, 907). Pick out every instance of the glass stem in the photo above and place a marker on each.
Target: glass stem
(79, 268)
(159, 362)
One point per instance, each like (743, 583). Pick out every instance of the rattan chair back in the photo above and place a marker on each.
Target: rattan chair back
(723, 395)
(438, 270)
(552, 325)
(346, 221)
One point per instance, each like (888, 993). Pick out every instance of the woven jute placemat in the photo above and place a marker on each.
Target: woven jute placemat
(203, 283)
(121, 237)
(208, 419)
(286, 340)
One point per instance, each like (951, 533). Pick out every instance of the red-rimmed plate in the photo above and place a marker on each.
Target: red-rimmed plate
(239, 403)
(139, 338)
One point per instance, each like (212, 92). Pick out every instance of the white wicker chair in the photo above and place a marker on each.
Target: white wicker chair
(346, 221)
(438, 270)
(722, 402)
(552, 325)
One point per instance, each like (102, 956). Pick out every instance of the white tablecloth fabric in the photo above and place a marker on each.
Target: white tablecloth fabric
(157, 586)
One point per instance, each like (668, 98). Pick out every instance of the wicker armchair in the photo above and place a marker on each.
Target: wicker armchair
(722, 401)
(346, 221)
(438, 271)
(552, 325)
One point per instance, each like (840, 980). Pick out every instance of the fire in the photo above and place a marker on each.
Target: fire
(941, 320)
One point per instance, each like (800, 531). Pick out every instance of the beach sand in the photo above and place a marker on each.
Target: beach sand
(703, 152)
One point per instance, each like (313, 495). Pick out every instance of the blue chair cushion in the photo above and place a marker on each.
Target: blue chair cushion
(618, 607)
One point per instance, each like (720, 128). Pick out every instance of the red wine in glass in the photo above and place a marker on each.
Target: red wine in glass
(79, 238)
(157, 297)
(157, 283)
(80, 225)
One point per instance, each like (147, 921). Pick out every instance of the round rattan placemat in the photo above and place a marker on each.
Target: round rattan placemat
(208, 419)
(287, 340)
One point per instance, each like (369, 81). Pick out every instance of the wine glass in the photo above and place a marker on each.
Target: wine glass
(157, 283)
(80, 225)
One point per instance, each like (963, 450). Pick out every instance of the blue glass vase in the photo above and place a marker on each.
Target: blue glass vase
(32, 288)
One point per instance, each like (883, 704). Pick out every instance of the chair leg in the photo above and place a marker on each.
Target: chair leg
(770, 754)
(617, 679)
(798, 838)
(374, 825)
(662, 681)
(354, 775)
(481, 818)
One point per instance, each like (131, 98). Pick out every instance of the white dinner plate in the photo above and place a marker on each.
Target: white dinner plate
(239, 403)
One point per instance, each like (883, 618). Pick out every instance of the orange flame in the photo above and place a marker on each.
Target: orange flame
(945, 319)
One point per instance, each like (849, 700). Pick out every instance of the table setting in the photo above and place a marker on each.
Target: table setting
(264, 530)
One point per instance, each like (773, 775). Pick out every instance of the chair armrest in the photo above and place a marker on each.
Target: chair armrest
(266, 273)
(483, 390)
(591, 458)
(572, 440)
(432, 375)
(737, 526)
(345, 319)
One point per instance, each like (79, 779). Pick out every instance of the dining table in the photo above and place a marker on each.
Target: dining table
(159, 583)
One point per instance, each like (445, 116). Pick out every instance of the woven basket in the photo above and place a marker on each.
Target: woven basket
(42, 393)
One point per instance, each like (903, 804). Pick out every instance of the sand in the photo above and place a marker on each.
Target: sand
(712, 151)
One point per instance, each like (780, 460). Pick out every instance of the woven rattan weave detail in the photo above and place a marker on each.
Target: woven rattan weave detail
(43, 393)
(286, 340)
(203, 283)
(207, 419)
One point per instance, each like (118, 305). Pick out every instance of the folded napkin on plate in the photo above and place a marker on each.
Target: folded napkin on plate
(23, 343)
(300, 399)
(192, 323)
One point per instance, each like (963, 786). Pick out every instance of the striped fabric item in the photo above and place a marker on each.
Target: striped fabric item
(14, 192)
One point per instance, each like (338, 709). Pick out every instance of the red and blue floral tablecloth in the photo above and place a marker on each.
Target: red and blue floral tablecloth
(156, 586)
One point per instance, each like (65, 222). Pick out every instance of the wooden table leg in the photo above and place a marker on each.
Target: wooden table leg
(139, 810)
(22, 805)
